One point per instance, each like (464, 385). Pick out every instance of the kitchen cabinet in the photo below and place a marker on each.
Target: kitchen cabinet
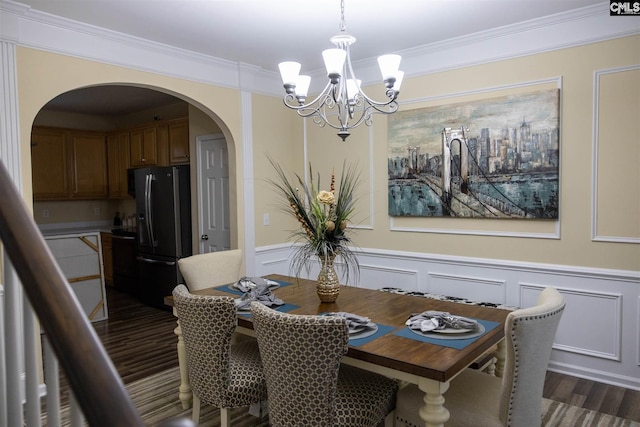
(172, 142)
(89, 165)
(49, 165)
(107, 257)
(124, 246)
(118, 161)
(68, 164)
(179, 143)
(144, 148)
(162, 140)
(79, 257)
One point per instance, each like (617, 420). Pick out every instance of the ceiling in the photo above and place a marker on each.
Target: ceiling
(109, 100)
(264, 33)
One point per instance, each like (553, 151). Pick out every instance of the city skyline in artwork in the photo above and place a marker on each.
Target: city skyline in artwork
(492, 158)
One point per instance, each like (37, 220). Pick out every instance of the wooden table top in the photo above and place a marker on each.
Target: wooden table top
(406, 355)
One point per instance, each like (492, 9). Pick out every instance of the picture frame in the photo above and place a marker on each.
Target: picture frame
(496, 157)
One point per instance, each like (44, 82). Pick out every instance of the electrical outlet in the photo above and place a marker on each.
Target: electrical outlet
(265, 219)
(96, 211)
(45, 213)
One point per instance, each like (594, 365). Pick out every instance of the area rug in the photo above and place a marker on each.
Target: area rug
(156, 397)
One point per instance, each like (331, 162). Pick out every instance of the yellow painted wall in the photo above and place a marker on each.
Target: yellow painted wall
(618, 180)
(279, 133)
(43, 76)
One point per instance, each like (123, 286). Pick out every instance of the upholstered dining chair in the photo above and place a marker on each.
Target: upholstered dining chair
(211, 269)
(306, 383)
(477, 399)
(221, 374)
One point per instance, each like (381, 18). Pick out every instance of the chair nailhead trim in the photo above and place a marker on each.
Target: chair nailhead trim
(516, 354)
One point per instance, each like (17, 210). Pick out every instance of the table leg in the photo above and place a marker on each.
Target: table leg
(184, 391)
(500, 355)
(433, 413)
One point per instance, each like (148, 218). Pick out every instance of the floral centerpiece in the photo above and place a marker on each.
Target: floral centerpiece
(324, 216)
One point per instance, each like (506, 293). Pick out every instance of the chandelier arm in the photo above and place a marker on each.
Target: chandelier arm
(365, 115)
(290, 98)
(377, 105)
(315, 109)
(312, 108)
(388, 107)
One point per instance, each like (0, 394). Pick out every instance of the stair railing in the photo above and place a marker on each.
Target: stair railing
(92, 376)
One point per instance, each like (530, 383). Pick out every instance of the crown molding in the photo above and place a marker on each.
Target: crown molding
(26, 27)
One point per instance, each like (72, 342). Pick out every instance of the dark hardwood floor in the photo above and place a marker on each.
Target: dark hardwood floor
(141, 342)
(139, 338)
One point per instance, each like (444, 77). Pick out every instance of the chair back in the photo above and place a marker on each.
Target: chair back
(301, 358)
(211, 269)
(208, 323)
(529, 335)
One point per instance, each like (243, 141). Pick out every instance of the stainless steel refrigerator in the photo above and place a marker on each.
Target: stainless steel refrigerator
(163, 213)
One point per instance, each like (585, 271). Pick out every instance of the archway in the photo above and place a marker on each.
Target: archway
(107, 108)
(84, 127)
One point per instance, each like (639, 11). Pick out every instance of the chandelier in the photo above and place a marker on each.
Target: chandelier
(342, 104)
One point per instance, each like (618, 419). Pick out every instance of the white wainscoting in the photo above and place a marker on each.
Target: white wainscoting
(599, 334)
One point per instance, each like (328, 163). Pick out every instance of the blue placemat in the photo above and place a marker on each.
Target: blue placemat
(457, 344)
(283, 308)
(382, 330)
(356, 342)
(231, 290)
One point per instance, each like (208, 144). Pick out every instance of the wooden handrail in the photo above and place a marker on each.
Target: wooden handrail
(94, 380)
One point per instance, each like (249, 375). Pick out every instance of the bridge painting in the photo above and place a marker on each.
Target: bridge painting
(493, 158)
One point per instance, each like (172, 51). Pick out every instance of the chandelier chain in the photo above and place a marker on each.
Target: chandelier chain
(343, 25)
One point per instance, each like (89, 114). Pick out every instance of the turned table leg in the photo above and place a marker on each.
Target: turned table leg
(500, 355)
(433, 412)
(184, 391)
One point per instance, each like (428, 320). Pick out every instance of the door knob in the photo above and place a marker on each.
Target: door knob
(204, 237)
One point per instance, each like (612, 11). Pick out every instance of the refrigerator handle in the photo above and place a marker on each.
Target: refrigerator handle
(149, 208)
(154, 261)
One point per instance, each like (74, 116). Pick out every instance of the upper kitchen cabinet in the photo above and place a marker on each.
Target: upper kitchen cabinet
(163, 144)
(118, 160)
(179, 142)
(49, 165)
(89, 165)
(144, 147)
(68, 164)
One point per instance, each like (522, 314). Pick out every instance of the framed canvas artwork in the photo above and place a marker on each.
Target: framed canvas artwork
(492, 158)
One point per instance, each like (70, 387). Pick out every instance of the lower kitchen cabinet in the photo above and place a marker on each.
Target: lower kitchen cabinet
(107, 258)
(125, 265)
(80, 259)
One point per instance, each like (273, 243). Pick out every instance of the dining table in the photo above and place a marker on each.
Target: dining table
(429, 360)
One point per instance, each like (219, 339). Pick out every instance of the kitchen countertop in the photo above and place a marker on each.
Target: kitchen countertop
(69, 228)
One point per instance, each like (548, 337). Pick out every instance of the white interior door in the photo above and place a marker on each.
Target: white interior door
(213, 193)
